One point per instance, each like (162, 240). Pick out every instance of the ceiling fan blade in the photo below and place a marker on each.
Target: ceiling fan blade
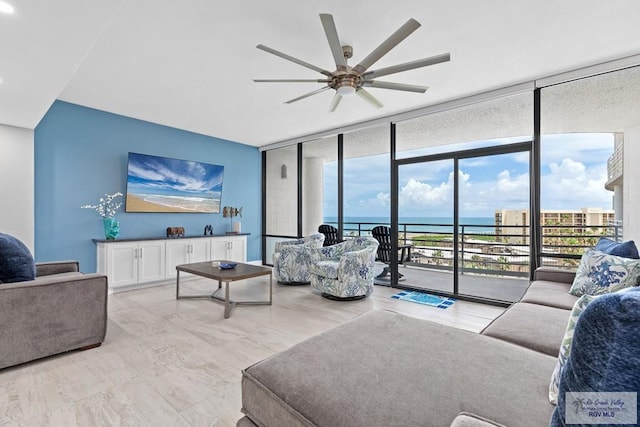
(334, 103)
(334, 42)
(407, 66)
(401, 33)
(290, 81)
(306, 95)
(369, 98)
(292, 59)
(395, 86)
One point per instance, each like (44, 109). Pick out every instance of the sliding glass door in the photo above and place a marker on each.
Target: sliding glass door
(425, 225)
(493, 226)
(465, 216)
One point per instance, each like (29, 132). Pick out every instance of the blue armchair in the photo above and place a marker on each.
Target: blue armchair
(344, 271)
(291, 259)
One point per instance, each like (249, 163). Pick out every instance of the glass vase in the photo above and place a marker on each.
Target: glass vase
(111, 228)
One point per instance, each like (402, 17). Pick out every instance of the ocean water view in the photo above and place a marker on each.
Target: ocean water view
(417, 224)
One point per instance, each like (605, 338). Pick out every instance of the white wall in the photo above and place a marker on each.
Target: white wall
(631, 184)
(17, 183)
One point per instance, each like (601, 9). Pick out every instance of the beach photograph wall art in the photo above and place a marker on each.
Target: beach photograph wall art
(161, 184)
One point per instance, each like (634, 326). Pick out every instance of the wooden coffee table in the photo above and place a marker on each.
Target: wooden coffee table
(241, 272)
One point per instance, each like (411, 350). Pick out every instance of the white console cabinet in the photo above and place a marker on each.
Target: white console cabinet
(133, 263)
(186, 251)
(231, 248)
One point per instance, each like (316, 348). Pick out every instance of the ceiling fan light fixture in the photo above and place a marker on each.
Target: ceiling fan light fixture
(346, 90)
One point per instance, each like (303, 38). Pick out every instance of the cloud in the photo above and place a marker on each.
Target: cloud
(586, 148)
(512, 187)
(504, 190)
(573, 176)
(571, 185)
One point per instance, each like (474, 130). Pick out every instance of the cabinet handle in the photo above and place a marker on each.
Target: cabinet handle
(191, 248)
(140, 252)
(135, 253)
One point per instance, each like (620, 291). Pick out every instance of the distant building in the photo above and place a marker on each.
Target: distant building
(615, 176)
(512, 225)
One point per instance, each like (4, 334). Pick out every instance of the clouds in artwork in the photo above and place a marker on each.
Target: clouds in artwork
(159, 174)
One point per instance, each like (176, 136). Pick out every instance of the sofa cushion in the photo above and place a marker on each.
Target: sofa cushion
(16, 261)
(565, 348)
(554, 274)
(599, 273)
(388, 369)
(536, 327)
(606, 342)
(626, 249)
(552, 294)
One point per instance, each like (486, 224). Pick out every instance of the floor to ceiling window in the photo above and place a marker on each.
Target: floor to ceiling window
(587, 128)
(319, 183)
(366, 180)
(457, 173)
(466, 179)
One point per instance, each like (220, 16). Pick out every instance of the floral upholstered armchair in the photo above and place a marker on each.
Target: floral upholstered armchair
(344, 271)
(291, 259)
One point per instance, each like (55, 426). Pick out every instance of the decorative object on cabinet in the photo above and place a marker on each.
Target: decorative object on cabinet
(208, 230)
(111, 228)
(175, 231)
(230, 212)
(107, 208)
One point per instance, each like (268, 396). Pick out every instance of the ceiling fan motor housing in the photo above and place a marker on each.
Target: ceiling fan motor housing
(346, 83)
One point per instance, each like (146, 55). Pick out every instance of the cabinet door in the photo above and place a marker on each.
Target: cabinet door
(151, 261)
(200, 250)
(236, 250)
(219, 248)
(122, 262)
(177, 253)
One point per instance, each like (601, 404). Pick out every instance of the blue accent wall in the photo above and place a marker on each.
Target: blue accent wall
(81, 154)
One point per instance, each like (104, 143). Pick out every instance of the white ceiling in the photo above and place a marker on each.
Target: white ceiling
(189, 64)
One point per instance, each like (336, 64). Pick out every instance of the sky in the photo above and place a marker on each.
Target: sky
(574, 171)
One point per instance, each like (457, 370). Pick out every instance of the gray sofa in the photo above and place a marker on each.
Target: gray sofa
(388, 369)
(61, 310)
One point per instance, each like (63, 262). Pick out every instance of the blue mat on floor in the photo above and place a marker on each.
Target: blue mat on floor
(426, 299)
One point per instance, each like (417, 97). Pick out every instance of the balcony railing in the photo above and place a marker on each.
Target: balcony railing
(499, 250)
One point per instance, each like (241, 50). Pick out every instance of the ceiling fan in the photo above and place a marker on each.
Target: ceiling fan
(346, 80)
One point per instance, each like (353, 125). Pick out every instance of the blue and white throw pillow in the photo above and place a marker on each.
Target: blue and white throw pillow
(605, 354)
(565, 347)
(599, 273)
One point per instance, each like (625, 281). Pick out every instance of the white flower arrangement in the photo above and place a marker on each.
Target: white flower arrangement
(106, 206)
